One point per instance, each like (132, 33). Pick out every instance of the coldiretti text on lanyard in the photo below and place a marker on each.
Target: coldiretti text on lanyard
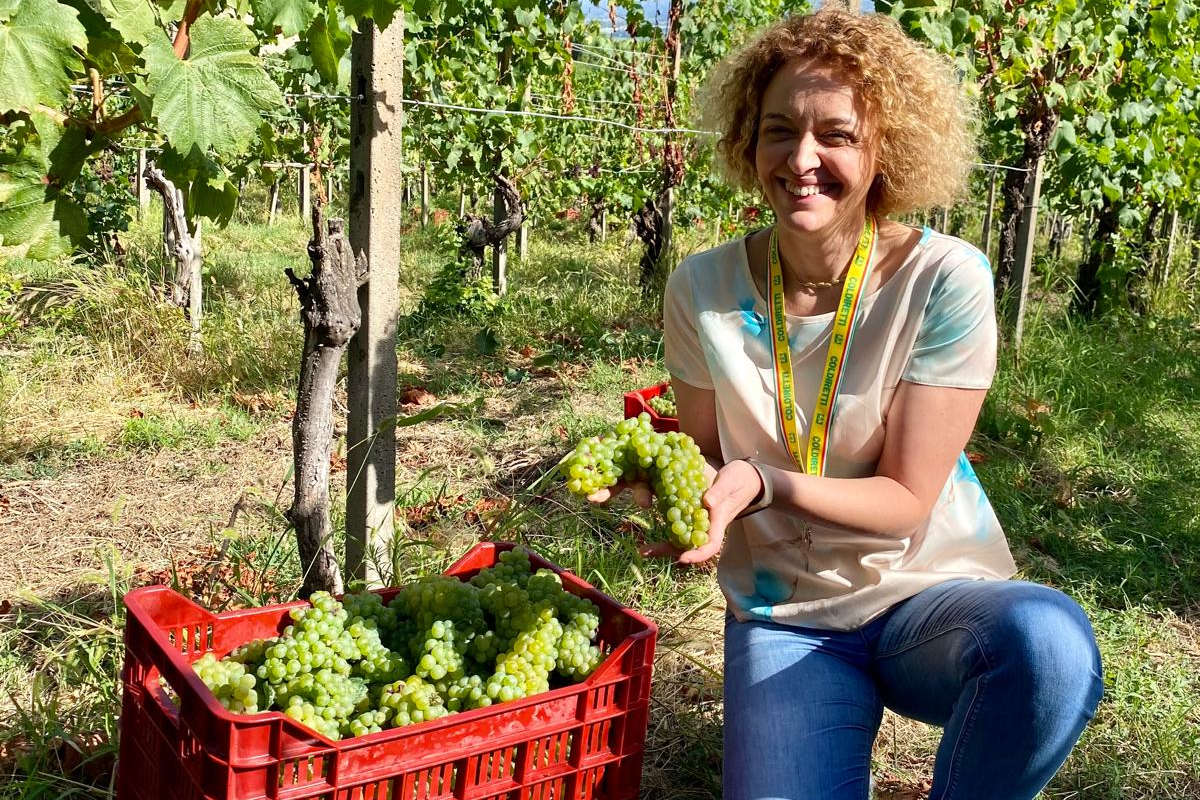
(812, 459)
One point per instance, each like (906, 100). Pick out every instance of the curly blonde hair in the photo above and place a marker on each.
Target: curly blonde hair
(921, 115)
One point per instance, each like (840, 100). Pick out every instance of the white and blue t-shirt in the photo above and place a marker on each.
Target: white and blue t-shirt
(931, 322)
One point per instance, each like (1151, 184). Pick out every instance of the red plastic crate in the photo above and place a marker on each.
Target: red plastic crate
(579, 742)
(636, 403)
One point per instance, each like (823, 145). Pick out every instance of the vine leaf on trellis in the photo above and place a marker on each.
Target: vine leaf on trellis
(39, 49)
(133, 19)
(291, 17)
(216, 97)
(36, 220)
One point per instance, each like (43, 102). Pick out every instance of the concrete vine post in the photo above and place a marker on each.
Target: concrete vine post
(376, 158)
(988, 215)
(1026, 233)
(143, 196)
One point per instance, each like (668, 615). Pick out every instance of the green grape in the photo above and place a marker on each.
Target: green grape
(670, 462)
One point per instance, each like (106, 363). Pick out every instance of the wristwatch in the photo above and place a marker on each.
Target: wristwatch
(765, 497)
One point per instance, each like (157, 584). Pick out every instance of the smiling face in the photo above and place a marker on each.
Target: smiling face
(814, 158)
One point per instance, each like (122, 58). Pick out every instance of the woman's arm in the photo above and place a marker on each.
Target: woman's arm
(927, 427)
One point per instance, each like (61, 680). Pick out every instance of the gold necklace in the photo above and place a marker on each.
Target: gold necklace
(812, 286)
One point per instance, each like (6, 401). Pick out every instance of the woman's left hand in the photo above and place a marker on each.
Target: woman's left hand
(732, 489)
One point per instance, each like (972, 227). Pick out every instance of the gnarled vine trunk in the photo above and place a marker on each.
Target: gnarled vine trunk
(182, 245)
(331, 314)
(1086, 299)
(480, 232)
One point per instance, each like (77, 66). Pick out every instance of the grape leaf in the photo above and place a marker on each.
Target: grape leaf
(322, 48)
(217, 96)
(290, 16)
(37, 54)
(31, 224)
(206, 187)
(133, 19)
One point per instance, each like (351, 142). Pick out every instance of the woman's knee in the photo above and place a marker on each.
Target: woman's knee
(1043, 641)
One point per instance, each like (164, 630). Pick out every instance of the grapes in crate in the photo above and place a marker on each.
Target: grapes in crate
(664, 404)
(670, 462)
(441, 645)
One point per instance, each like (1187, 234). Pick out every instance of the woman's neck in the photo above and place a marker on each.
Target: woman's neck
(818, 257)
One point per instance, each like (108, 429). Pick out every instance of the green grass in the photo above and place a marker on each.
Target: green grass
(1090, 446)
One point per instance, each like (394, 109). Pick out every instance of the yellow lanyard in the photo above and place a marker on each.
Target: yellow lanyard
(812, 460)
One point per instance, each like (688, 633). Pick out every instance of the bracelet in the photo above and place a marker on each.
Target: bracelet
(765, 497)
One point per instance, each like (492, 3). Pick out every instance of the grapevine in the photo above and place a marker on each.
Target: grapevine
(670, 462)
(358, 666)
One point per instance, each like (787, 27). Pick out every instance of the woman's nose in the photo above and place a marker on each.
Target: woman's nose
(804, 155)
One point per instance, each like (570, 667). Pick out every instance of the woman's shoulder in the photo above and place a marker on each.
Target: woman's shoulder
(950, 253)
(707, 267)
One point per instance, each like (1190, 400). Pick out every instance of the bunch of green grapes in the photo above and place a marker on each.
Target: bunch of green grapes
(524, 669)
(411, 700)
(441, 646)
(376, 663)
(441, 653)
(229, 682)
(670, 462)
(664, 404)
(513, 566)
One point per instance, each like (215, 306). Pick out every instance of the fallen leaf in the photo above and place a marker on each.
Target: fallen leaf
(560, 432)
(487, 510)
(5, 606)
(337, 462)
(136, 413)
(1035, 407)
(976, 458)
(527, 351)
(417, 396)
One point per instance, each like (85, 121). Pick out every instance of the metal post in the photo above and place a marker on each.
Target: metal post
(1026, 233)
(376, 155)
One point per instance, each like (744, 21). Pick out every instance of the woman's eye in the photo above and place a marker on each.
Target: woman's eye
(841, 136)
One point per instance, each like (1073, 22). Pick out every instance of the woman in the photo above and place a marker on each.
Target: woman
(867, 568)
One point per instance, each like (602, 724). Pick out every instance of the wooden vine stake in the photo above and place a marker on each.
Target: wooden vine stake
(331, 315)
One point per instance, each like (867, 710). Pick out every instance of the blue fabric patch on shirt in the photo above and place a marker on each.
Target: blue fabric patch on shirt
(965, 473)
(753, 323)
(769, 591)
(925, 234)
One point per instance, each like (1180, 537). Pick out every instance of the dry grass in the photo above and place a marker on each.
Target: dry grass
(146, 508)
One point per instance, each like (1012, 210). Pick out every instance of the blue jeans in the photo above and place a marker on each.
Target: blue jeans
(1010, 669)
